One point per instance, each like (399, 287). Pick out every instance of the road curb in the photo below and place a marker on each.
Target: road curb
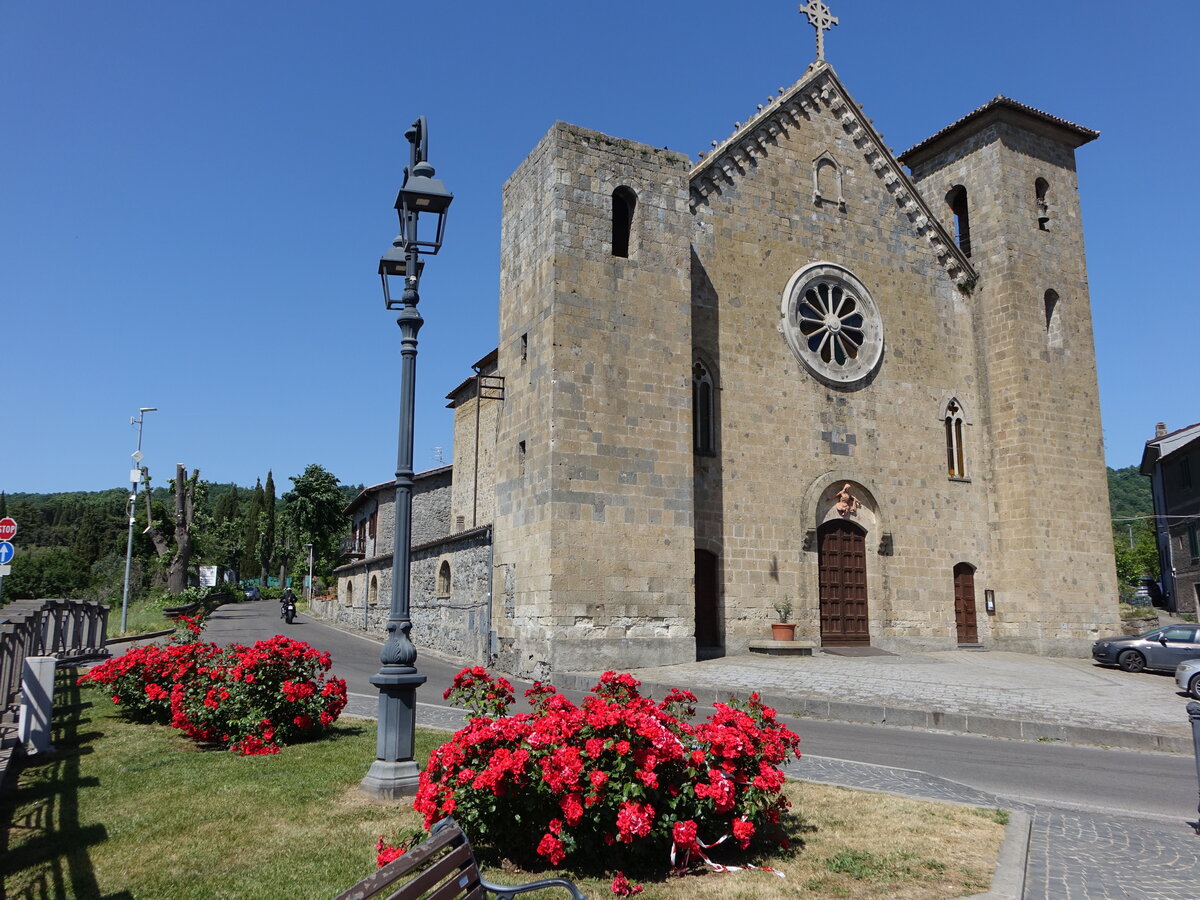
(818, 707)
(1008, 878)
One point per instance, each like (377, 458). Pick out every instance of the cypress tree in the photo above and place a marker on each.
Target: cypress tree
(228, 506)
(266, 551)
(250, 561)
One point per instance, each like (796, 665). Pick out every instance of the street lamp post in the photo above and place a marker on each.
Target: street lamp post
(135, 476)
(308, 594)
(395, 773)
(1193, 711)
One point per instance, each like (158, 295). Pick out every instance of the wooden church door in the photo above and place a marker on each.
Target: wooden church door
(842, 559)
(964, 604)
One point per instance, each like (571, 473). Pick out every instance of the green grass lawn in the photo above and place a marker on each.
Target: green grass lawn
(126, 810)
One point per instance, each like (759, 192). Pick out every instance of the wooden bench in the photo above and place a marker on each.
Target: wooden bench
(441, 867)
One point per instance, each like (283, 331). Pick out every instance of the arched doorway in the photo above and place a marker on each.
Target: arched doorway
(842, 560)
(708, 626)
(964, 604)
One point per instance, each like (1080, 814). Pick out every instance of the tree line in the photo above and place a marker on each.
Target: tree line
(1134, 543)
(73, 544)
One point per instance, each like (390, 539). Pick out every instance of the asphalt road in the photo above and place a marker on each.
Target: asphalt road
(1158, 785)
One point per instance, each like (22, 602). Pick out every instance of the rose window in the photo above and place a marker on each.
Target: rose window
(832, 324)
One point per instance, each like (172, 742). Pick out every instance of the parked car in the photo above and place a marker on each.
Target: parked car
(1162, 649)
(1187, 676)
(253, 593)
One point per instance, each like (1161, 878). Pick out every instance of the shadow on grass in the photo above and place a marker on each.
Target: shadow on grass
(518, 861)
(43, 809)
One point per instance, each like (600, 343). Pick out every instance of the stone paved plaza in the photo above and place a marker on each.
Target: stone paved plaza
(1057, 854)
(992, 693)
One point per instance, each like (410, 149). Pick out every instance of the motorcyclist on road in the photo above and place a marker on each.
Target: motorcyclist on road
(288, 597)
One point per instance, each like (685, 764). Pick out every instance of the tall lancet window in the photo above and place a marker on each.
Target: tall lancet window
(956, 199)
(956, 464)
(624, 203)
(703, 440)
(1041, 198)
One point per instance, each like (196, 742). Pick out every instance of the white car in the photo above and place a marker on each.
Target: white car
(1187, 676)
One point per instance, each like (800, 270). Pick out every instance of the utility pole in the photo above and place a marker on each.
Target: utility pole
(135, 476)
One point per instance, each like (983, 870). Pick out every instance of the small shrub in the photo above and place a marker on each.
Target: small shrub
(250, 699)
(141, 679)
(620, 769)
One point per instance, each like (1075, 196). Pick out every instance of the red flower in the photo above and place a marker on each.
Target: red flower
(551, 848)
(743, 830)
(622, 888)
(685, 834)
(634, 820)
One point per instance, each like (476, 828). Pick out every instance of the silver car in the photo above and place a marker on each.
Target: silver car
(1187, 676)
(1163, 649)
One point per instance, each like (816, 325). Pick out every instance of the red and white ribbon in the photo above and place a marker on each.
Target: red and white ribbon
(716, 867)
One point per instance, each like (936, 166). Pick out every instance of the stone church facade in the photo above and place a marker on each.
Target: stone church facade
(800, 370)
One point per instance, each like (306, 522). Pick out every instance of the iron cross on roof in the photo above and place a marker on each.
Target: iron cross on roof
(820, 19)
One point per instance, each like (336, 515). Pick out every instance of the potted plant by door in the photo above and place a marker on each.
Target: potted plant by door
(784, 630)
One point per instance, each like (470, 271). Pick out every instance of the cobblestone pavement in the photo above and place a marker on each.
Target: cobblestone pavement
(957, 685)
(1071, 855)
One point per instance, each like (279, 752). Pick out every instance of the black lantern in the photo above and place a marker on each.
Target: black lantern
(394, 264)
(422, 193)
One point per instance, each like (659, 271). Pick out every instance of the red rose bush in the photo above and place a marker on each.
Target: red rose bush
(250, 699)
(569, 781)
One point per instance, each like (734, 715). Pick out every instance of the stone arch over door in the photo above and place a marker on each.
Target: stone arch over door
(839, 575)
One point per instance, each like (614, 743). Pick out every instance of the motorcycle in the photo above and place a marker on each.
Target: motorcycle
(289, 610)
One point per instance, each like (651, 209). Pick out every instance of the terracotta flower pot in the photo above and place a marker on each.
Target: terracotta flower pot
(783, 631)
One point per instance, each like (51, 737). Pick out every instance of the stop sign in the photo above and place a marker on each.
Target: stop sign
(8, 529)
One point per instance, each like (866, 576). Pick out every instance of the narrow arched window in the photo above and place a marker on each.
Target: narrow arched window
(1054, 331)
(443, 581)
(1041, 192)
(624, 202)
(349, 592)
(702, 409)
(956, 199)
(373, 593)
(956, 465)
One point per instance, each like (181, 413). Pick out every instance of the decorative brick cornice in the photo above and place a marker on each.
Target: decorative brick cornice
(817, 91)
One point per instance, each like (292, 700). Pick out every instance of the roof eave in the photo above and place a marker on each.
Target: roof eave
(999, 109)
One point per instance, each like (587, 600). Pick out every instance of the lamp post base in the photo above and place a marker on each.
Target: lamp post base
(395, 772)
(392, 780)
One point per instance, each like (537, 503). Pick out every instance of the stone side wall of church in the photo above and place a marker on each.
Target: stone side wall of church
(1041, 409)
(787, 441)
(474, 463)
(431, 501)
(594, 517)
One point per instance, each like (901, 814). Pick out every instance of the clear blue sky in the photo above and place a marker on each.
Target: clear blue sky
(195, 196)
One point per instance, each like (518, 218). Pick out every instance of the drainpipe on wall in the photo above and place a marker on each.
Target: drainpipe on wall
(490, 649)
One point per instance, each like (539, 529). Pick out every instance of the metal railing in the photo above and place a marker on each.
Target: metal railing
(66, 629)
(353, 546)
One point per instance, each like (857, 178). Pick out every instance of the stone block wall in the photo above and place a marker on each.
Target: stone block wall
(786, 440)
(456, 624)
(1040, 400)
(431, 500)
(475, 422)
(593, 509)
